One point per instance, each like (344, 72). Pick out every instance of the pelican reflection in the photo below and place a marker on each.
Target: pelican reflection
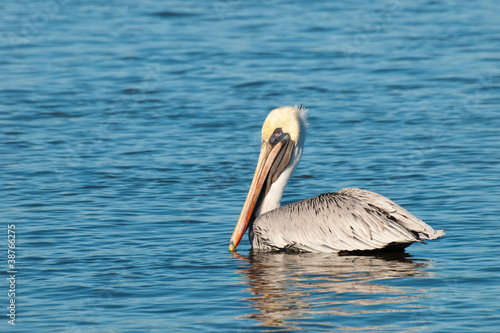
(290, 289)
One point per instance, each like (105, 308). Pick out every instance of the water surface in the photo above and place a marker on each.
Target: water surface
(130, 133)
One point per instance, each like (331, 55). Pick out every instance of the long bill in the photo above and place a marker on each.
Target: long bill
(267, 156)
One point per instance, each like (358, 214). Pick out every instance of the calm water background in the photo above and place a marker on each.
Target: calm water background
(130, 133)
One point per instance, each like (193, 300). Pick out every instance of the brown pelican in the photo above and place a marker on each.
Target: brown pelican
(349, 220)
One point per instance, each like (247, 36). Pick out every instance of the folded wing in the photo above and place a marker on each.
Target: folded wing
(349, 220)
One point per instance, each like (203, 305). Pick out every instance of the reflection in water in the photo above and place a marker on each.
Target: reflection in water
(287, 289)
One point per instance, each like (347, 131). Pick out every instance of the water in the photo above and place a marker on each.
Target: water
(130, 133)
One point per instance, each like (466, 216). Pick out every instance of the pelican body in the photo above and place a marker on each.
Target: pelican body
(349, 220)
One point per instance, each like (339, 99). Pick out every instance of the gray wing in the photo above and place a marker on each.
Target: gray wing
(349, 220)
(394, 212)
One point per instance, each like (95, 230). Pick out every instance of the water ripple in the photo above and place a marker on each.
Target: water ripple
(130, 133)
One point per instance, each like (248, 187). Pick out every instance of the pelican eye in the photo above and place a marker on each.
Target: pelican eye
(276, 136)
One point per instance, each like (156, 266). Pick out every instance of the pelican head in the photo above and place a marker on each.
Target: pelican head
(283, 135)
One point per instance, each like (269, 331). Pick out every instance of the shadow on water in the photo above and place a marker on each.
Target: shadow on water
(292, 291)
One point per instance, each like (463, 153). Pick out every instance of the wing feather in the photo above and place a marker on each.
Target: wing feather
(394, 212)
(349, 220)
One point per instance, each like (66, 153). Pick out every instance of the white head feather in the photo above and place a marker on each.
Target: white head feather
(292, 120)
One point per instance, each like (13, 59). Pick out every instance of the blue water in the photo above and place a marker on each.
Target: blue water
(130, 132)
